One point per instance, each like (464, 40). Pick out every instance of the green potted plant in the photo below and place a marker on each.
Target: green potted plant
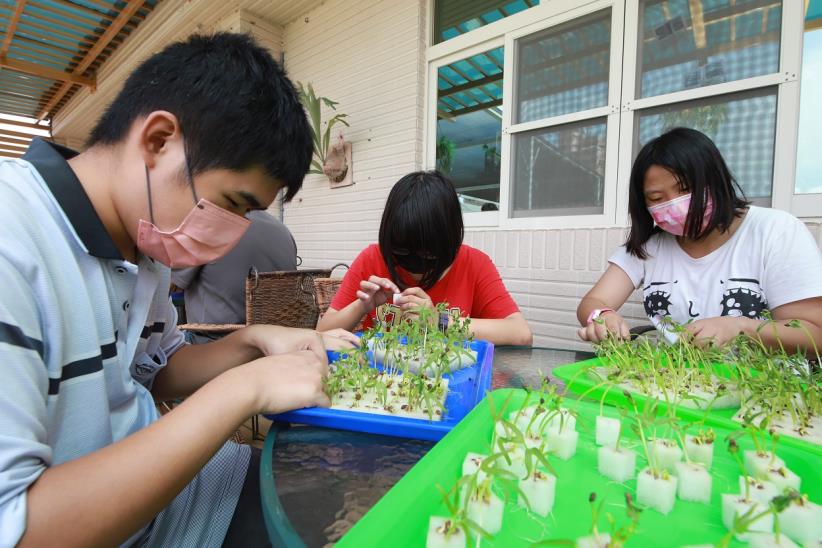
(331, 160)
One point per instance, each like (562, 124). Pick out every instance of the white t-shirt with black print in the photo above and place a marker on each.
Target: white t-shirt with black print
(771, 260)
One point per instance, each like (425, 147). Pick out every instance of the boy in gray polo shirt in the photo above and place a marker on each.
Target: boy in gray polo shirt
(215, 293)
(200, 134)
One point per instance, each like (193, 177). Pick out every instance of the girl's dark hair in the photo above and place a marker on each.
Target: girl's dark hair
(236, 107)
(700, 169)
(422, 215)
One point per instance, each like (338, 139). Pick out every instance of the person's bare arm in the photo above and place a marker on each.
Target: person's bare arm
(347, 318)
(373, 292)
(192, 366)
(103, 498)
(797, 326)
(610, 291)
(512, 330)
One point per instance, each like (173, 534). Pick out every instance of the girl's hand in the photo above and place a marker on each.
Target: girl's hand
(612, 323)
(413, 299)
(374, 292)
(721, 330)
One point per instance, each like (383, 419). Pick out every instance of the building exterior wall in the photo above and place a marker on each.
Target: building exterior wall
(370, 57)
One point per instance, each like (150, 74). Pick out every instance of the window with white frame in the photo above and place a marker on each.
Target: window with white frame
(558, 130)
(453, 18)
(808, 159)
(587, 82)
(469, 127)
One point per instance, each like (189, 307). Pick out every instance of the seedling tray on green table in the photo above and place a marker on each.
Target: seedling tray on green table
(401, 517)
(579, 381)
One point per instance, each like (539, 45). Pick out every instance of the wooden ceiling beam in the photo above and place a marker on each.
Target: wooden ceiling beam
(9, 146)
(15, 141)
(113, 30)
(45, 72)
(7, 132)
(12, 27)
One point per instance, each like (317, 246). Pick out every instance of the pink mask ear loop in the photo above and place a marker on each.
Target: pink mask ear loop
(191, 181)
(148, 188)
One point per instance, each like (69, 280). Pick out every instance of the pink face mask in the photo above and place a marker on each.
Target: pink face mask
(671, 215)
(207, 233)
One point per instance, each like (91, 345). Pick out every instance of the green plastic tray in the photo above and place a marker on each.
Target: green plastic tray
(401, 517)
(579, 382)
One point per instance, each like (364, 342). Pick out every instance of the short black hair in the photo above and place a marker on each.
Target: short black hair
(236, 107)
(422, 215)
(699, 169)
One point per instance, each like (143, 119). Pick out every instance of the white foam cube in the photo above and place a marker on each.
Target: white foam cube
(607, 431)
(487, 513)
(783, 479)
(562, 443)
(616, 464)
(737, 505)
(769, 540)
(437, 537)
(665, 453)
(602, 540)
(699, 452)
(694, 482)
(523, 417)
(802, 522)
(757, 464)
(517, 465)
(558, 421)
(759, 490)
(538, 490)
(657, 492)
(501, 430)
(472, 464)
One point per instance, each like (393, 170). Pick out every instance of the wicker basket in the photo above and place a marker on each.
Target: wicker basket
(325, 289)
(294, 298)
(283, 298)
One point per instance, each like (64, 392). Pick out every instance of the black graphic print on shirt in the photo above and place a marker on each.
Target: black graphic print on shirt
(743, 297)
(658, 301)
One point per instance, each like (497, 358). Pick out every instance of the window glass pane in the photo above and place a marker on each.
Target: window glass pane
(469, 126)
(808, 158)
(686, 44)
(560, 170)
(455, 17)
(563, 69)
(742, 125)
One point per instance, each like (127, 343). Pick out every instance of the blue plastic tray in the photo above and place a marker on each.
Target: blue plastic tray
(466, 388)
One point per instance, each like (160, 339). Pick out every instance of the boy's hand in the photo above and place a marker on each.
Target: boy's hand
(272, 340)
(374, 292)
(339, 339)
(286, 382)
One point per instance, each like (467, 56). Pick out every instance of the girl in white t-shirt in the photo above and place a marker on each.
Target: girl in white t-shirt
(704, 256)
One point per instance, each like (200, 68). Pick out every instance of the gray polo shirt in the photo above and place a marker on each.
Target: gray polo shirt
(215, 293)
(83, 333)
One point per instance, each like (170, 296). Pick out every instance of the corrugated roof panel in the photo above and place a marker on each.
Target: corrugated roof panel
(49, 41)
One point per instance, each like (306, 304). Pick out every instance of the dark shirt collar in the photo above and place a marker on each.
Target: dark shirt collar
(50, 160)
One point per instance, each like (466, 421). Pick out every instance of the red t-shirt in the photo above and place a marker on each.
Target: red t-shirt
(473, 284)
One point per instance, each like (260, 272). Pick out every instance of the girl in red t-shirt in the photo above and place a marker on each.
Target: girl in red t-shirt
(421, 258)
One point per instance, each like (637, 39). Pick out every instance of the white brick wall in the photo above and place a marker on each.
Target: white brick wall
(368, 56)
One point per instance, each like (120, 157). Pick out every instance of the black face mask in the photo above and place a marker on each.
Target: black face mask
(413, 263)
